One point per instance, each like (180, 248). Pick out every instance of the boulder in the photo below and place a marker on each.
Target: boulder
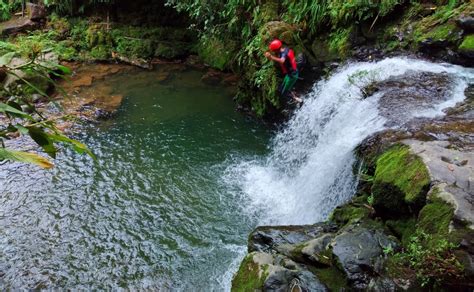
(20, 27)
(400, 183)
(359, 251)
(466, 22)
(263, 271)
(314, 251)
(452, 172)
(267, 238)
(35, 11)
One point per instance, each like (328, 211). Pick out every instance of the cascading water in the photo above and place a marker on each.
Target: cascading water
(309, 171)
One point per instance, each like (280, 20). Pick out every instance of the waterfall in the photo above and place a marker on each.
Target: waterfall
(309, 170)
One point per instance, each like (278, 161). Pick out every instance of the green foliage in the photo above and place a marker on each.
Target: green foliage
(22, 117)
(431, 259)
(215, 52)
(339, 41)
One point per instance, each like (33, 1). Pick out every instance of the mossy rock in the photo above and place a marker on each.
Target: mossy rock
(278, 30)
(401, 182)
(250, 276)
(171, 50)
(354, 211)
(321, 51)
(403, 229)
(467, 46)
(435, 217)
(216, 53)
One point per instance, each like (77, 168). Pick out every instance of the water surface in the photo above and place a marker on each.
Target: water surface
(152, 212)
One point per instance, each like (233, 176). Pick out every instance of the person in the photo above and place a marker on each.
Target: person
(286, 58)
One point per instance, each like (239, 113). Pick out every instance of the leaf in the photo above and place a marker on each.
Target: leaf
(42, 139)
(7, 58)
(76, 145)
(21, 129)
(5, 108)
(20, 156)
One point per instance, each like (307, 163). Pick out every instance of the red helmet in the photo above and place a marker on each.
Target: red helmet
(275, 45)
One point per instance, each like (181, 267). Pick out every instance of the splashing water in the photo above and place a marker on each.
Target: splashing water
(309, 171)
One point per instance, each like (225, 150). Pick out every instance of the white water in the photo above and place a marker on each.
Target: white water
(309, 171)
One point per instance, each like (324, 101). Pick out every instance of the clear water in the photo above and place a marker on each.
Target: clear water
(153, 211)
(182, 179)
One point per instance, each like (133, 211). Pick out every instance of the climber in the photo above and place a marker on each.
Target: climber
(286, 58)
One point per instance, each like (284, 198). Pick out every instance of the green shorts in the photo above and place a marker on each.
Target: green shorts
(288, 83)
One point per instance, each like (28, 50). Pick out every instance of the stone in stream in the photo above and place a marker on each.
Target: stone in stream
(359, 251)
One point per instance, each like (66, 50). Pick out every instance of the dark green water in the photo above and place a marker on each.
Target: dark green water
(153, 212)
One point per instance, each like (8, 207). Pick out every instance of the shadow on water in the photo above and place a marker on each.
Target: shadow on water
(152, 212)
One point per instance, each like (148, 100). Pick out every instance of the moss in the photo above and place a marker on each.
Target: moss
(435, 217)
(401, 181)
(332, 277)
(249, 277)
(467, 43)
(402, 229)
(339, 42)
(351, 212)
(444, 32)
(215, 52)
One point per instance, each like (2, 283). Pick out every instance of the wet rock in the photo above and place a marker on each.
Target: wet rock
(20, 27)
(466, 22)
(402, 95)
(360, 253)
(35, 11)
(263, 271)
(266, 238)
(453, 172)
(314, 251)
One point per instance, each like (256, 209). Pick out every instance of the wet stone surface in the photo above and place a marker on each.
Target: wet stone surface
(400, 96)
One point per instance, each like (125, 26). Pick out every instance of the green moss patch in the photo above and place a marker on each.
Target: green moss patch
(332, 277)
(401, 181)
(249, 277)
(467, 43)
(354, 211)
(435, 217)
(402, 229)
(215, 52)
